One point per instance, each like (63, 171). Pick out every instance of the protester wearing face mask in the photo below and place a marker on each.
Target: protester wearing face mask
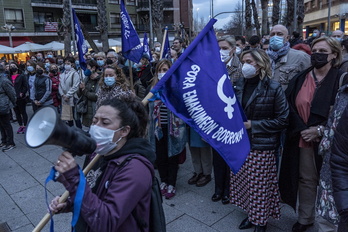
(167, 134)
(228, 55)
(68, 86)
(316, 34)
(255, 187)
(100, 58)
(55, 76)
(113, 84)
(42, 88)
(20, 83)
(145, 70)
(227, 46)
(39, 57)
(311, 96)
(88, 91)
(115, 194)
(338, 35)
(286, 62)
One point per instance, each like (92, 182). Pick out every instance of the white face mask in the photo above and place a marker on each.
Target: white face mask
(103, 137)
(160, 75)
(157, 49)
(238, 50)
(248, 71)
(67, 67)
(225, 55)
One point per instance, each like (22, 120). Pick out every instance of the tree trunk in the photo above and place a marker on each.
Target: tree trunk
(66, 27)
(248, 26)
(256, 17)
(275, 12)
(300, 15)
(157, 19)
(264, 6)
(103, 24)
(289, 23)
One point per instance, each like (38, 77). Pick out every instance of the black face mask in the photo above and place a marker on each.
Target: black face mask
(54, 71)
(109, 61)
(39, 71)
(13, 70)
(319, 60)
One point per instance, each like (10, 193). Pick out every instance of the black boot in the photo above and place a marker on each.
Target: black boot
(260, 228)
(246, 224)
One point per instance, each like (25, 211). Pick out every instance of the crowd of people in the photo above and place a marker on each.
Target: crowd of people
(293, 93)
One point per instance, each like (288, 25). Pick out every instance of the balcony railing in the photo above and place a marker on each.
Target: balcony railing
(48, 1)
(75, 2)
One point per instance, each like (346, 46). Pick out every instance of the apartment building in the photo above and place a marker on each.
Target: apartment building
(40, 21)
(317, 15)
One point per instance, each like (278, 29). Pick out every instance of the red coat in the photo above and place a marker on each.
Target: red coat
(55, 87)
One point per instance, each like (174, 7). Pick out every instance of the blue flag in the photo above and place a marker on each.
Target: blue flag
(197, 89)
(131, 46)
(82, 47)
(146, 47)
(166, 46)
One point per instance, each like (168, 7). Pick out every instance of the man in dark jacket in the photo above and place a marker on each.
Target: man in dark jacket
(339, 169)
(7, 102)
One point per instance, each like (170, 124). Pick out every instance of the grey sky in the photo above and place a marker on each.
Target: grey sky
(201, 8)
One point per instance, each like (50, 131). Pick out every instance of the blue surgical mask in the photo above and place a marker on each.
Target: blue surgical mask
(276, 42)
(100, 63)
(109, 81)
(87, 72)
(47, 65)
(30, 69)
(314, 34)
(338, 39)
(49, 56)
(77, 64)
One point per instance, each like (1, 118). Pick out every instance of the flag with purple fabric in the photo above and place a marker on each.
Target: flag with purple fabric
(197, 89)
(82, 47)
(166, 47)
(131, 46)
(146, 46)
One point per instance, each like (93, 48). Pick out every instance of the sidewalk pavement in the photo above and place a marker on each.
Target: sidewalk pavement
(22, 196)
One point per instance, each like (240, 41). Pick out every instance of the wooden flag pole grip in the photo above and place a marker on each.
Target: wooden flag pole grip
(146, 98)
(64, 197)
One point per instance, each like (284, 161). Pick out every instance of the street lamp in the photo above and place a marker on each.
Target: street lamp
(9, 28)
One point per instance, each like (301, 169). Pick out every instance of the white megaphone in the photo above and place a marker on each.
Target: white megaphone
(45, 127)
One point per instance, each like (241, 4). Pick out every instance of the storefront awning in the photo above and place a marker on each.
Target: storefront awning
(16, 41)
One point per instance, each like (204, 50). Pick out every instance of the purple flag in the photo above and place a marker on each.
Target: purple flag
(131, 46)
(197, 89)
(166, 47)
(80, 41)
(146, 47)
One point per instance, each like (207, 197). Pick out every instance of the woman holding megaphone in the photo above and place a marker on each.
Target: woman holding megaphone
(118, 189)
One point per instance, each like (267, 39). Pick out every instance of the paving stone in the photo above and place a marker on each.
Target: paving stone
(16, 180)
(8, 209)
(188, 224)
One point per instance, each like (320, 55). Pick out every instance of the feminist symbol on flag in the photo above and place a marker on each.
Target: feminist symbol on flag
(228, 100)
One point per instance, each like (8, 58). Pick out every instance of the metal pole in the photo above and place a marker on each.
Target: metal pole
(212, 8)
(151, 29)
(295, 15)
(243, 17)
(10, 37)
(328, 18)
(72, 27)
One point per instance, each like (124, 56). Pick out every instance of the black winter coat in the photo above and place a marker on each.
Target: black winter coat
(339, 163)
(268, 111)
(21, 86)
(323, 100)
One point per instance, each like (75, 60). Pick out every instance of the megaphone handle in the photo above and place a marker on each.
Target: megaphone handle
(65, 196)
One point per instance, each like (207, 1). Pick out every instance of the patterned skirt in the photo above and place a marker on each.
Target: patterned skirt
(255, 187)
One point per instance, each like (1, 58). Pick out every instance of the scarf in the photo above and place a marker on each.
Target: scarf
(275, 55)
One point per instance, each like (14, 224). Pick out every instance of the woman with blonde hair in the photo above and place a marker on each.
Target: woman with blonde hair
(311, 95)
(255, 187)
(113, 83)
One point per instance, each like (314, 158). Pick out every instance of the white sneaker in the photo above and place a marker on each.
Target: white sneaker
(163, 187)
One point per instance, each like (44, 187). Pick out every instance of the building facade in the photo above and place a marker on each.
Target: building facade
(325, 15)
(40, 21)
